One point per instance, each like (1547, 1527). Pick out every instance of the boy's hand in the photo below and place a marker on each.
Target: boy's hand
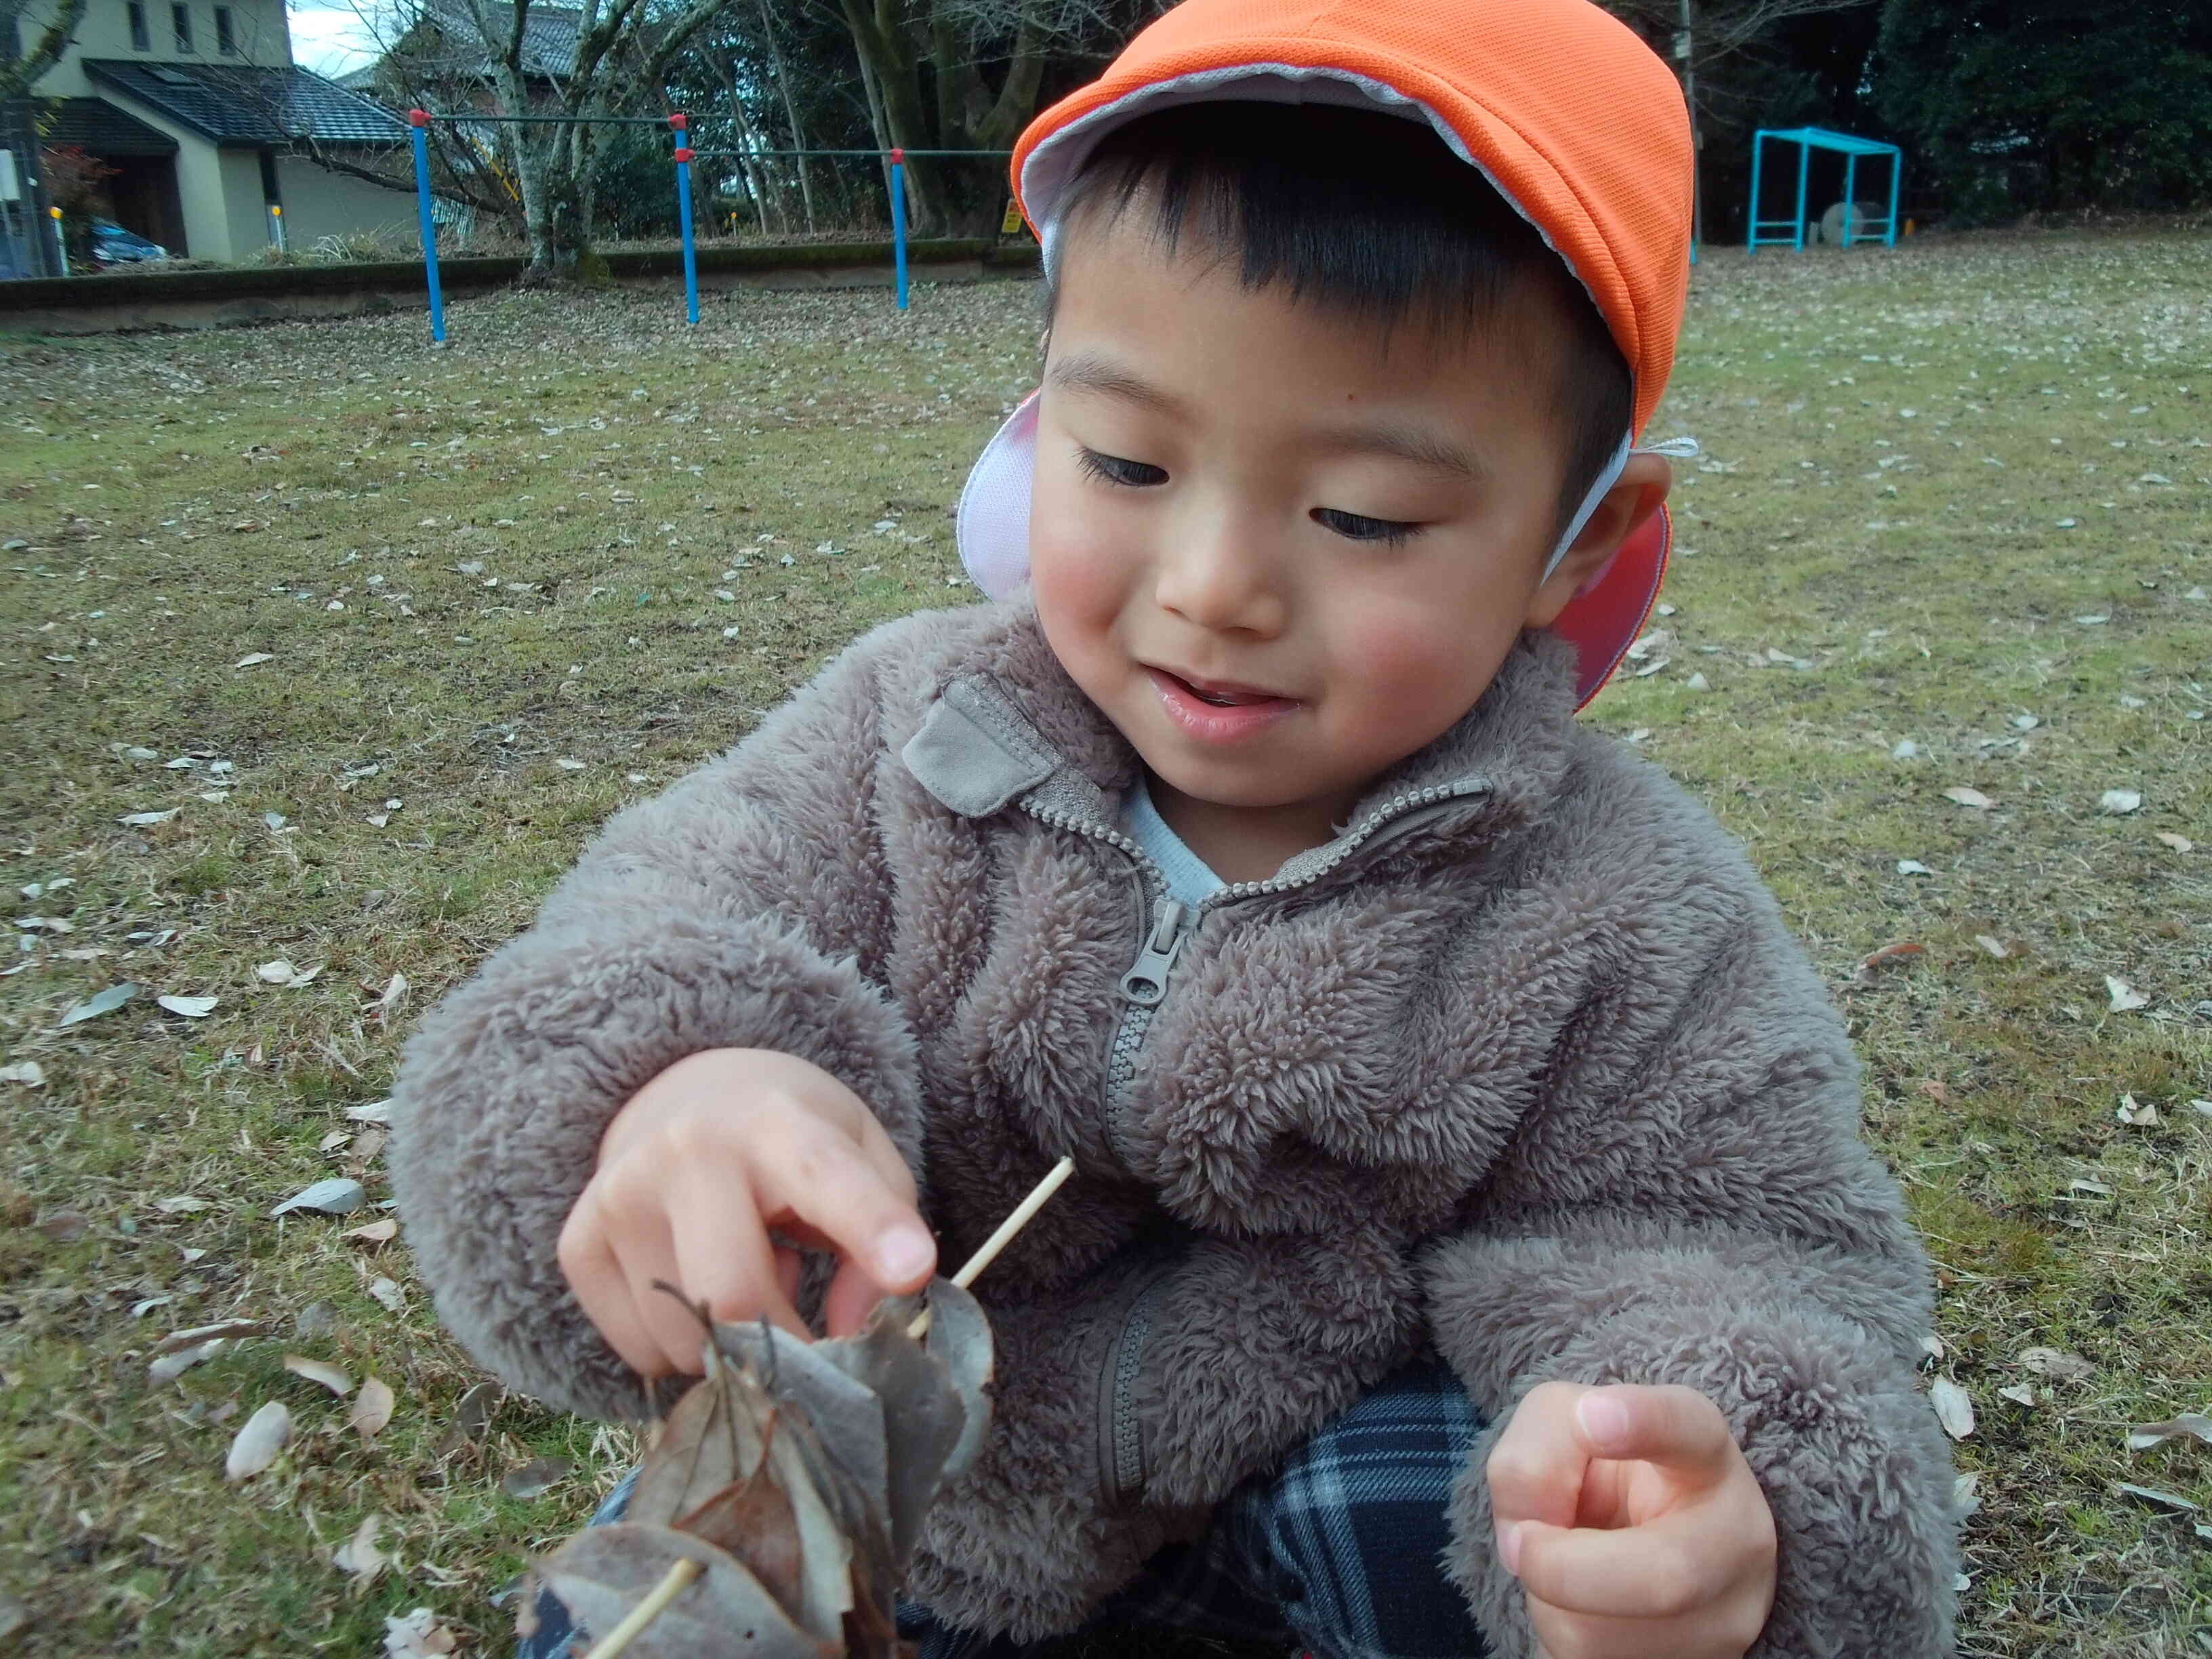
(695, 1171)
(1636, 1527)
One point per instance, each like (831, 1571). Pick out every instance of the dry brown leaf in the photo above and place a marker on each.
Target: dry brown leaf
(1972, 797)
(1993, 945)
(1953, 1408)
(359, 1555)
(2179, 843)
(256, 1445)
(199, 1333)
(2195, 1425)
(1936, 1091)
(536, 1477)
(2058, 1365)
(371, 1407)
(1900, 955)
(376, 1232)
(2126, 998)
(316, 1370)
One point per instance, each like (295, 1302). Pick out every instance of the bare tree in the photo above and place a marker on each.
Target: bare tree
(19, 74)
(954, 43)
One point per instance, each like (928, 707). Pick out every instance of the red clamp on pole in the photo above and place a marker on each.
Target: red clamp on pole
(679, 120)
(418, 117)
(898, 156)
(682, 153)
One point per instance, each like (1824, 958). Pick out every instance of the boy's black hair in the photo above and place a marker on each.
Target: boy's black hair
(1370, 213)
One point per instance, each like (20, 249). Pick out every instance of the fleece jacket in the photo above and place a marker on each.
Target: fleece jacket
(1524, 1063)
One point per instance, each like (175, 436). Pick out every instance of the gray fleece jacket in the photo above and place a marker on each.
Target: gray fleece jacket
(1524, 1062)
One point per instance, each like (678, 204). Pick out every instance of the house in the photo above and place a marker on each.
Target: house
(221, 143)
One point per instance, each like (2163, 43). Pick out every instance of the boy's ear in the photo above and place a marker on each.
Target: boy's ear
(1635, 497)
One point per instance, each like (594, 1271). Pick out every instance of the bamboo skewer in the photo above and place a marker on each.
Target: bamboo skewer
(677, 1577)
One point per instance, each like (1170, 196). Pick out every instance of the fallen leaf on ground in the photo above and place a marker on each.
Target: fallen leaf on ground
(2179, 843)
(1936, 1091)
(190, 1007)
(253, 657)
(1913, 867)
(64, 1226)
(539, 1476)
(170, 1366)
(2143, 1116)
(332, 1197)
(377, 1111)
(2125, 996)
(2019, 1393)
(2118, 801)
(1993, 945)
(1892, 955)
(101, 1002)
(1953, 1408)
(2144, 1435)
(377, 1232)
(2058, 1363)
(140, 820)
(283, 972)
(371, 1407)
(359, 1555)
(417, 1635)
(182, 1204)
(197, 1334)
(1973, 798)
(2094, 1189)
(28, 1073)
(316, 1370)
(2151, 1495)
(256, 1445)
(388, 1292)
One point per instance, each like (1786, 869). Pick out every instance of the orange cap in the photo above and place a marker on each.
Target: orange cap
(1574, 119)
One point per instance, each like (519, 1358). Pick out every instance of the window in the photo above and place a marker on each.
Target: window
(140, 40)
(225, 41)
(181, 18)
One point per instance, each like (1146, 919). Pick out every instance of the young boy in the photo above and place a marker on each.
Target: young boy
(1471, 1248)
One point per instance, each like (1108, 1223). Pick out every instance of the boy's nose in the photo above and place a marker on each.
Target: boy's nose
(1218, 577)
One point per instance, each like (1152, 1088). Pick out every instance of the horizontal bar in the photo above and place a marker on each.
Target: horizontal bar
(881, 155)
(559, 121)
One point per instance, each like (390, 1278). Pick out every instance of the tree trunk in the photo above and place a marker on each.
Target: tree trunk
(879, 36)
(790, 112)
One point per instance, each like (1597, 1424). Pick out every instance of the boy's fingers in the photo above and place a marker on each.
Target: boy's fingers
(1662, 1569)
(723, 1258)
(1536, 1466)
(822, 1179)
(852, 1297)
(1672, 1426)
(596, 1276)
(1563, 1635)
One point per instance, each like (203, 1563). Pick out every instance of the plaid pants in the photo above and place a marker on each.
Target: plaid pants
(1339, 1551)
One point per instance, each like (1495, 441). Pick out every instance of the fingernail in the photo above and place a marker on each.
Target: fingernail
(1604, 1418)
(1509, 1546)
(903, 1252)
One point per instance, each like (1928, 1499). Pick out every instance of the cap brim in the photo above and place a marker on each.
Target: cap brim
(991, 524)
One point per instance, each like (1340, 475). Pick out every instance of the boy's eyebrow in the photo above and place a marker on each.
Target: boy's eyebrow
(1092, 371)
(1404, 442)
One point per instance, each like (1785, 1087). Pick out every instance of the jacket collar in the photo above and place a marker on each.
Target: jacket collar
(1008, 722)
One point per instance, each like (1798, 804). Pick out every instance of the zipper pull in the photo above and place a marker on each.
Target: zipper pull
(1147, 981)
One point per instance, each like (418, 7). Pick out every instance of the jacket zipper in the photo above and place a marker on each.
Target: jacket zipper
(1169, 926)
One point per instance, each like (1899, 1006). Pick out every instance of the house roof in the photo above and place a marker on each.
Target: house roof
(99, 128)
(549, 34)
(253, 103)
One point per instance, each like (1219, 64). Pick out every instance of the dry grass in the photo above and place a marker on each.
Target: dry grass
(184, 501)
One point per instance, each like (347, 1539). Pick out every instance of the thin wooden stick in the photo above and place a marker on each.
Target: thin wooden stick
(998, 1240)
(672, 1583)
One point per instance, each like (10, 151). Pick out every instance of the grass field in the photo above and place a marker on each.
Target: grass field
(381, 631)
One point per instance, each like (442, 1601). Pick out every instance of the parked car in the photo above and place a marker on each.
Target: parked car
(112, 245)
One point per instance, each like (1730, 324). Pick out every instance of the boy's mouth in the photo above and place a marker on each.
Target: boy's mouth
(1222, 693)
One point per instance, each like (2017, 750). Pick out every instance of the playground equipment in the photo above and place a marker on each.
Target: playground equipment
(1790, 231)
(682, 155)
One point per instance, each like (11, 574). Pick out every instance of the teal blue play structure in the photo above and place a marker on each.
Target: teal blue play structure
(1791, 233)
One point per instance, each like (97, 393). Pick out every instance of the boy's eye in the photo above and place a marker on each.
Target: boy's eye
(1355, 526)
(1115, 469)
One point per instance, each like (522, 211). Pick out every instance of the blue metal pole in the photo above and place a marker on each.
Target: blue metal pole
(1758, 148)
(898, 221)
(1896, 167)
(681, 122)
(1804, 164)
(1850, 195)
(421, 121)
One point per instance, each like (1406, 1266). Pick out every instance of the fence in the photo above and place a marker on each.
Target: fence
(682, 155)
